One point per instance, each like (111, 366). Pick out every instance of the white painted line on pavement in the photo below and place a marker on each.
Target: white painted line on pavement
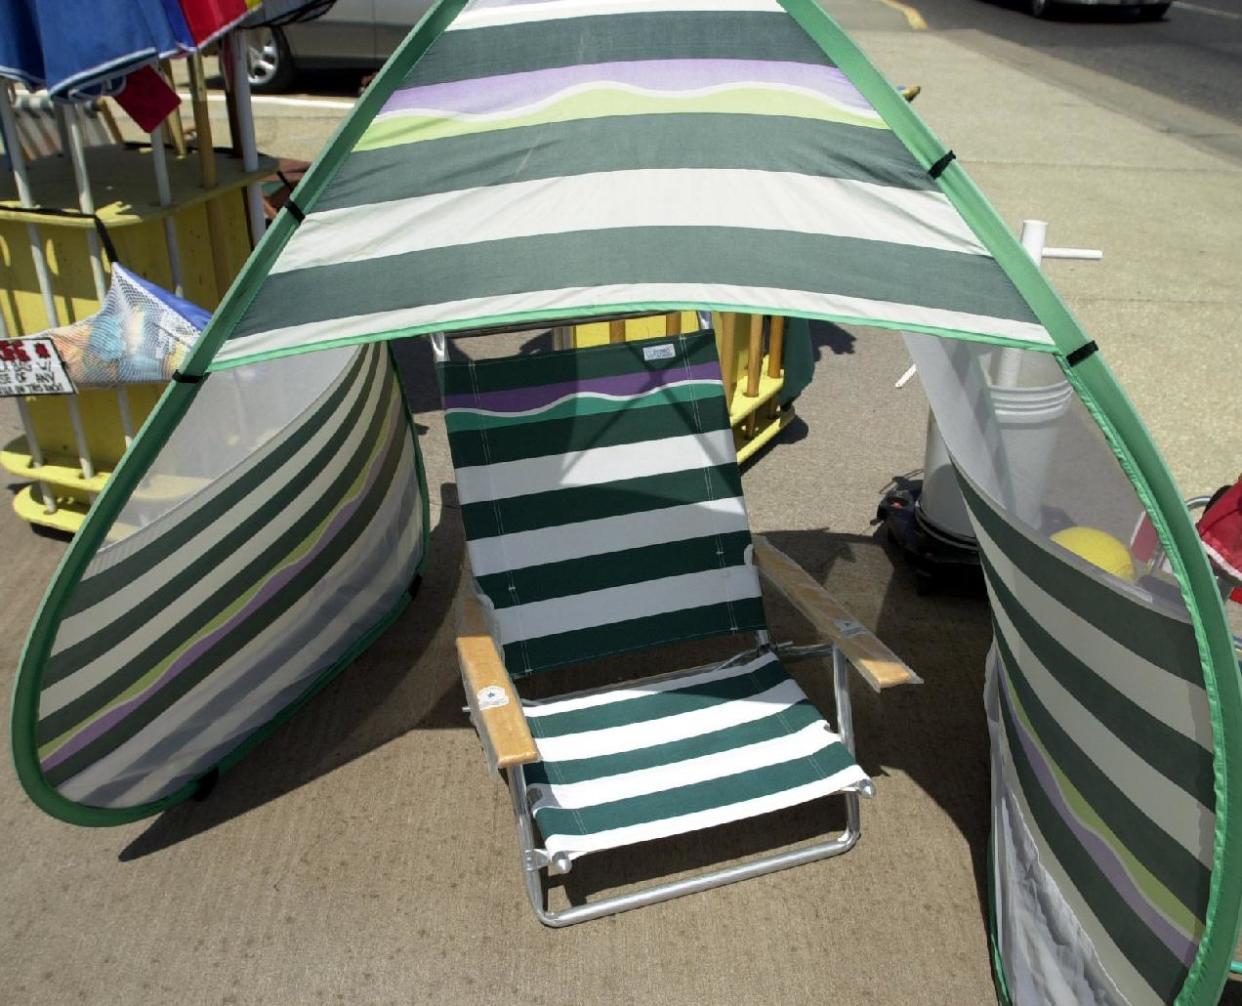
(1199, 9)
(272, 99)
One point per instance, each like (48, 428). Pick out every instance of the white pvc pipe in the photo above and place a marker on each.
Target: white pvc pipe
(240, 82)
(127, 422)
(86, 201)
(36, 453)
(1085, 254)
(12, 144)
(23, 410)
(79, 437)
(159, 158)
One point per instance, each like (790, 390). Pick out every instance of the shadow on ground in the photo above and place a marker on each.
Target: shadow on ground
(934, 734)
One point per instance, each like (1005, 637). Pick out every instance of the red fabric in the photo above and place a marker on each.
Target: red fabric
(207, 18)
(147, 98)
(1221, 531)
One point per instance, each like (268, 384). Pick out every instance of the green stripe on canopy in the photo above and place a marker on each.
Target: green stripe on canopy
(627, 143)
(482, 53)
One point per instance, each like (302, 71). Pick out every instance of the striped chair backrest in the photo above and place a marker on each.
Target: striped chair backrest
(601, 499)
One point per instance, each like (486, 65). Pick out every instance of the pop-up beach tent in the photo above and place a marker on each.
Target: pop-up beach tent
(525, 163)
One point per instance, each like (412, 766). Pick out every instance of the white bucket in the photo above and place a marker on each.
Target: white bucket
(941, 499)
(1029, 421)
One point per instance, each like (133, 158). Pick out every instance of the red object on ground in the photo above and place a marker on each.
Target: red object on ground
(147, 98)
(1221, 531)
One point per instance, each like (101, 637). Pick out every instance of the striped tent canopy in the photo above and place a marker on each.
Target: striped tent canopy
(570, 158)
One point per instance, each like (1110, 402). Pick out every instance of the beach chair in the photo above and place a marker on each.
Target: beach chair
(603, 514)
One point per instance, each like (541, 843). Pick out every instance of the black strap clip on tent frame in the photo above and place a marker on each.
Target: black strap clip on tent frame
(1081, 353)
(182, 378)
(937, 169)
(294, 209)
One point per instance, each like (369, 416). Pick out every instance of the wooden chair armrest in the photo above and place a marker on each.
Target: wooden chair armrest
(879, 666)
(494, 703)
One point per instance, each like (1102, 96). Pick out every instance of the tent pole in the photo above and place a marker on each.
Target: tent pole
(159, 157)
(240, 82)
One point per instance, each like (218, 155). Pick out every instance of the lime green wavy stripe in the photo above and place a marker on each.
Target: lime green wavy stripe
(605, 102)
(464, 420)
(1154, 891)
(304, 546)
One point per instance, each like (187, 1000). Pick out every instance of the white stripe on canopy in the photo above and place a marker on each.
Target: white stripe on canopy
(682, 197)
(489, 13)
(600, 300)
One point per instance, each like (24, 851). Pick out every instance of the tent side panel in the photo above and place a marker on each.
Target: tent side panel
(1114, 802)
(1106, 743)
(1133, 445)
(185, 639)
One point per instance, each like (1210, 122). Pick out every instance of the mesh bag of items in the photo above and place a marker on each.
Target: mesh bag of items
(141, 333)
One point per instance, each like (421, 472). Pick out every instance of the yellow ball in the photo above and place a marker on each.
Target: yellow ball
(1100, 549)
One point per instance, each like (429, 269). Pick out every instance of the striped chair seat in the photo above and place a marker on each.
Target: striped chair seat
(672, 755)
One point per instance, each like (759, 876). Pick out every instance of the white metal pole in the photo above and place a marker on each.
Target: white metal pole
(86, 203)
(79, 437)
(240, 82)
(160, 159)
(8, 132)
(12, 144)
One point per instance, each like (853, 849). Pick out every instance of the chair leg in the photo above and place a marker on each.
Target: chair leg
(535, 861)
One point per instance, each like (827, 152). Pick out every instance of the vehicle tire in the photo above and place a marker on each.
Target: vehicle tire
(1042, 8)
(1154, 12)
(269, 64)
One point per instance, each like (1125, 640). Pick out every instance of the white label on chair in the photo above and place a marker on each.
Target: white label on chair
(665, 352)
(492, 697)
(848, 627)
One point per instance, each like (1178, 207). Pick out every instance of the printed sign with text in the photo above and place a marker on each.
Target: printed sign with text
(32, 367)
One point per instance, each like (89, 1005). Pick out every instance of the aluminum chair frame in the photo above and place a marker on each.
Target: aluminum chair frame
(535, 861)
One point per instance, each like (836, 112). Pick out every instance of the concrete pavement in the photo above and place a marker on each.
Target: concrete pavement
(363, 855)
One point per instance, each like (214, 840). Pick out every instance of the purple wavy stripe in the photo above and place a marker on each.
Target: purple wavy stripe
(516, 90)
(266, 592)
(1182, 947)
(523, 399)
